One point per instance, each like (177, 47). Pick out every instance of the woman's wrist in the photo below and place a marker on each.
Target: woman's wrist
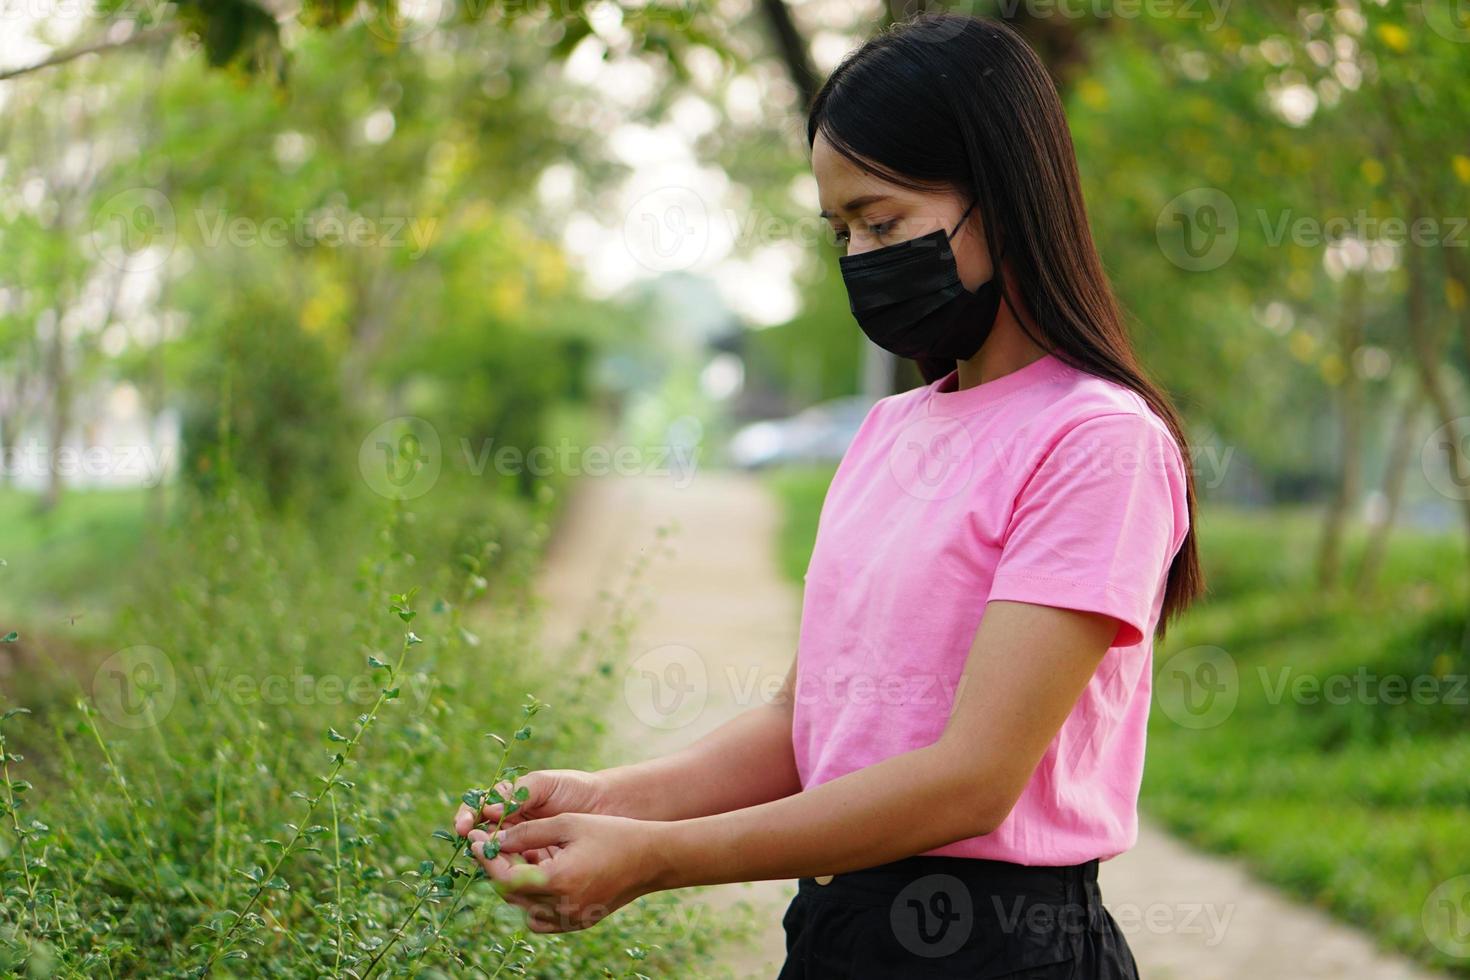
(621, 791)
(682, 855)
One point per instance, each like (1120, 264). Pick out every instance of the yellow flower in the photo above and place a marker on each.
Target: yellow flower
(1092, 92)
(1461, 164)
(1454, 294)
(1373, 172)
(1332, 369)
(1302, 345)
(1394, 36)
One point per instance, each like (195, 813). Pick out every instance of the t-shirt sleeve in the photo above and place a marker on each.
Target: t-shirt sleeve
(1096, 525)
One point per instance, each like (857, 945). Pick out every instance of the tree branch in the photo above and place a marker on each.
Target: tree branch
(161, 33)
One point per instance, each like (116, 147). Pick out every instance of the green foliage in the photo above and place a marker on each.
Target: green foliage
(1314, 126)
(262, 790)
(801, 491)
(50, 558)
(267, 407)
(1322, 756)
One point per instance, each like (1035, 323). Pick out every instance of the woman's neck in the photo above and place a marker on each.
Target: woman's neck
(1007, 349)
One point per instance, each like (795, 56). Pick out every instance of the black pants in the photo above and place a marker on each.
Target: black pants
(942, 917)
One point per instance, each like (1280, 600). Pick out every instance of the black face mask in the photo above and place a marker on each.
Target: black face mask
(909, 300)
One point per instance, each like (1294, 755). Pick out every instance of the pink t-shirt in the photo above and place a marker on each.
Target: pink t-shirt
(1047, 485)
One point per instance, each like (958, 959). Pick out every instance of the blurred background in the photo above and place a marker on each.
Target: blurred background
(306, 305)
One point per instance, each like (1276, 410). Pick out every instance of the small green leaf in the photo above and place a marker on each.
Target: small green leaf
(335, 736)
(10, 637)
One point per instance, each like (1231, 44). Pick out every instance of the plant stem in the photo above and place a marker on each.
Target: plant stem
(20, 834)
(122, 786)
(443, 921)
(337, 846)
(459, 849)
(330, 782)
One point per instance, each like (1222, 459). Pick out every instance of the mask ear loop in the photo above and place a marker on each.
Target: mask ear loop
(957, 227)
(1000, 257)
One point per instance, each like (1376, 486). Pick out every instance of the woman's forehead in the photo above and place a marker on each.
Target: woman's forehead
(843, 186)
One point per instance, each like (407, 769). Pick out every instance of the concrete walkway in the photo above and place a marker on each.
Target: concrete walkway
(722, 628)
(718, 630)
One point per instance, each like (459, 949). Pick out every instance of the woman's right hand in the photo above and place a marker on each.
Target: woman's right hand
(551, 791)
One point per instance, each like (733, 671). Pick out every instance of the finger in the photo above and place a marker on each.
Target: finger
(491, 811)
(464, 820)
(496, 868)
(506, 788)
(545, 832)
(510, 873)
(543, 919)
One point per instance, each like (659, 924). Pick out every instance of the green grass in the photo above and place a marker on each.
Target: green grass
(800, 490)
(66, 564)
(1351, 803)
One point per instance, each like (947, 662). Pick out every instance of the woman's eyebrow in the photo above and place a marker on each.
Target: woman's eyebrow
(855, 203)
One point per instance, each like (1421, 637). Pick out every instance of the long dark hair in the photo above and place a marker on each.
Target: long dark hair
(952, 100)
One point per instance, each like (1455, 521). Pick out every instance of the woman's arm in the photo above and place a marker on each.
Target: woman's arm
(1026, 669)
(746, 761)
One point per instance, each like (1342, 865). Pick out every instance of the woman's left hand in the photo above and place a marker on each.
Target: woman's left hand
(589, 865)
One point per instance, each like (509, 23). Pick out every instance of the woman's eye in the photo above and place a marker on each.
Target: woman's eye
(842, 237)
(879, 230)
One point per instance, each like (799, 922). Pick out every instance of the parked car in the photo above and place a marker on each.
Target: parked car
(819, 434)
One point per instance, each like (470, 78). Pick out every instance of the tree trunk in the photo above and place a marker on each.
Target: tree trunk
(793, 49)
(1396, 468)
(1424, 344)
(1350, 424)
(58, 380)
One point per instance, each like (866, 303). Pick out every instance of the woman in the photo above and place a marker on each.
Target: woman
(960, 738)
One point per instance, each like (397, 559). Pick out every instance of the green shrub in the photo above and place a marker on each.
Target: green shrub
(257, 780)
